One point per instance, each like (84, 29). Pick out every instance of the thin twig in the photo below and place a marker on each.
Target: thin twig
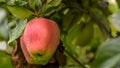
(61, 49)
(78, 6)
(80, 63)
(100, 23)
(95, 18)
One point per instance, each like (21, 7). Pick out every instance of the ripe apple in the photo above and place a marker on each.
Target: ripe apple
(39, 40)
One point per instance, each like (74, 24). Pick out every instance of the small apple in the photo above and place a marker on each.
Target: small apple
(39, 40)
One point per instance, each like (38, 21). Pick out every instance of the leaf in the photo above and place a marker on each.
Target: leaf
(113, 5)
(101, 16)
(19, 12)
(108, 64)
(2, 0)
(53, 2)
(81, 34)
(117, 65)
(115, 20)
(4, 30)
(5, 61)
(99, 36)
(20, 2)
(15, 33)
(35, 4)
(108, 54)
(50, 4)
(118, 2)
(3, 14)
(3, 24)
(70, 19)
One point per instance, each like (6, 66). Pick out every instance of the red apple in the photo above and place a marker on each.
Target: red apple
(39, 40)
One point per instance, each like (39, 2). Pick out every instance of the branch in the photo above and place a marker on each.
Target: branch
(99, 23)
(78, 6)
(95, 18)
(80, 63)
(62, 49)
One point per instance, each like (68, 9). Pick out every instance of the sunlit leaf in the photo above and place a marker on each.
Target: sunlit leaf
(2, 0)
(15, 33)
(115, 20)
(113, 7)
(99, 34)
(19, 12)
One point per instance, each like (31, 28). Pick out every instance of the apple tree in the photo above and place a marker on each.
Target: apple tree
(59, 34)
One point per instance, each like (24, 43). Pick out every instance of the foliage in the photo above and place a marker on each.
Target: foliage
(5, 60)
(108, 52)
(90, 29)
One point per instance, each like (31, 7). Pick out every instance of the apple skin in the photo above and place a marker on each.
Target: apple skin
(39, 40)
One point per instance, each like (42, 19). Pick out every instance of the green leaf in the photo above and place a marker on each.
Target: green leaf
(117, 65)
(113, 6)
(108, 64)
(81, 34)
(19, 12)
(2, 0)
(5, 61)
(3, 14)
(15, 33)
(35, 4)
(115, 20)
(20, 2)
(70, 19)
(4, 30)
(101, 16)
(118, 2)
(3, 25)
(50, 4)
(32, 3)
(108, 54)
(53, 2)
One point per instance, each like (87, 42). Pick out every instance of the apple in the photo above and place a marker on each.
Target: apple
(40, 40)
